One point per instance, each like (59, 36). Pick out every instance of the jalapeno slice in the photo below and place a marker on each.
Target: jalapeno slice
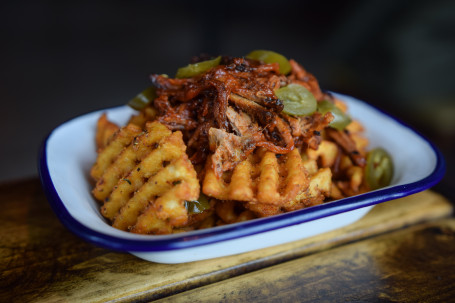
(271, 57)
(297, 100)
(340, 121)
(379, 168)
(195, 69)
(198, 206)
(143, 98)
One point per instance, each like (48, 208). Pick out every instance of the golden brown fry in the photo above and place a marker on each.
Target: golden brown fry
(169, 207)
(318, 189)
(355, 175)
(354, 184)
(336, 193)
(233, 211)
(355, 127)
(264, 209)
(147, 114)
(146, 180)
(226, 211)
(340, 104)
(129, 157)
(119, 141)
(105, 129)
(261, 178)
(167, 150)
(311, 166)
(326, 153)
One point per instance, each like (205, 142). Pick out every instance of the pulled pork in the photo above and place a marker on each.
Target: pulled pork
(231, 109)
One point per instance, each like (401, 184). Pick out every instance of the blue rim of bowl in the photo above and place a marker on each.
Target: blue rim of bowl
(237, 230)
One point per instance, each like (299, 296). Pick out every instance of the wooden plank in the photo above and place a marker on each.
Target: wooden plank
(41, 261)
(415, 264)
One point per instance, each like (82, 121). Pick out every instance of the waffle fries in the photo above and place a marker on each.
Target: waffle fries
(119, 140)
(105, 130)
(147, 181)
(224, 132)
(263, 177)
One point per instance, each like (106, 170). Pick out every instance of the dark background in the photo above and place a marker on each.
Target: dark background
(61, 59)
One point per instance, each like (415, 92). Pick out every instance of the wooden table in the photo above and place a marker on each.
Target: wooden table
(401, 251)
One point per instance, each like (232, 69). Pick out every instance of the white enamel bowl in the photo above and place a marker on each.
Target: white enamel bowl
(68, 153)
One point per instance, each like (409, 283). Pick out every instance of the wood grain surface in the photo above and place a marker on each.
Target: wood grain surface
(415, 265)
(41, 261)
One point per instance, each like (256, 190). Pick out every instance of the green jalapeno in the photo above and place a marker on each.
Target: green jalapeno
(195, 69)
(198, 206)
(379, 168)
(143, 99)
(271, 57)
(340, 121)
(297, 100)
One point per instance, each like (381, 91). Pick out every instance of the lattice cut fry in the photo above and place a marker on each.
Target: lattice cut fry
(145, 188)
(105, 129)
(129, 157)
(263, 177)
(326, 153)
(233, 211)
(319, 188)
(121, 139)
(354, 185)
(167, 150)
(147, 114)
(172, 186)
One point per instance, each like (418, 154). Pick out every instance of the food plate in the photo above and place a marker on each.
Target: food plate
(68, 153)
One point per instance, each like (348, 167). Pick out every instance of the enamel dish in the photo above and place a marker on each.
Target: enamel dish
(68, 153)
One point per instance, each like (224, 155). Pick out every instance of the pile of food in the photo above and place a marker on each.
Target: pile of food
(227, 140)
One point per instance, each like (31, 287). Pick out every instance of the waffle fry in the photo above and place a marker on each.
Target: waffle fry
(105, 129)
(118, 142)
(173, 185)
(145, 187)
(326, 153)
(233, 211)
(145, 115)
(128, 158)
(318, 190)
(262, 178)
(353, 184)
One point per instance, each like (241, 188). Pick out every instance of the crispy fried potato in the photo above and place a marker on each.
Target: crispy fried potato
(145, 187)
(262, 177)
(311, 166)
(264, 209)
(147, 114)
(172, 186)
(335, 192)
(326, 153)
(355, 130)
(340, 104)
(355, 127)
(319, 188)
(129, 157)
(121, 139)
(167, 150)
(105, 129)
(354, 184)
(233, 211)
